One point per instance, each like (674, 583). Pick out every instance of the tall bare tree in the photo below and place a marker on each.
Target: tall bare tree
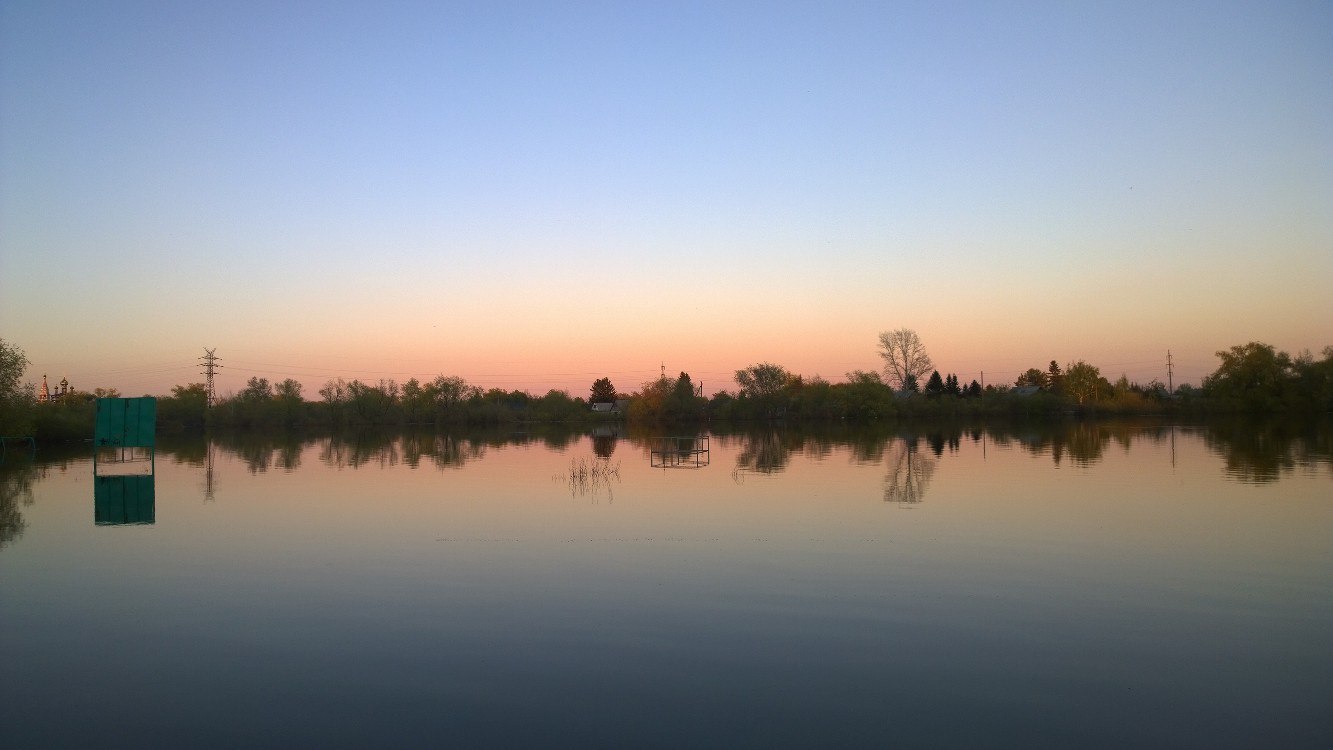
(904, 355)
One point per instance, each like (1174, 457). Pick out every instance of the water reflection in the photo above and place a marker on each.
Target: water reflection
(259, 452)
(1261, 452)
(16, 480)
(127, 499)
(767, 452)
(680, 452)
(1251, 452)
(910, 456)
(909, 471)
(604, 439)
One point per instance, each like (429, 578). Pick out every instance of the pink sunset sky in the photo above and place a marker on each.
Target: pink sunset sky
(533, 197)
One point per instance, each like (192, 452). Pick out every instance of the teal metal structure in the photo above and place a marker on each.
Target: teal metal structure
(125, 423)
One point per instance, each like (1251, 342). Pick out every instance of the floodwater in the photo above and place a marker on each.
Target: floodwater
(1114, 585)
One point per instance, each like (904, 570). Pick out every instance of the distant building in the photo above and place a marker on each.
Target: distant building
(1025, 390)
(620, 406)
(46, 395)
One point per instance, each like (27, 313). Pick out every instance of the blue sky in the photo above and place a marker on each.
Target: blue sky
(526, 194)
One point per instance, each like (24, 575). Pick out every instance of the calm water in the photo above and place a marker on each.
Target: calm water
(1113, 585)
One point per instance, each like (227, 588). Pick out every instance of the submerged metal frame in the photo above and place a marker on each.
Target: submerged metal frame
(679, 452)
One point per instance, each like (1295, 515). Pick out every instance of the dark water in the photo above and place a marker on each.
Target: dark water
(1104, 585)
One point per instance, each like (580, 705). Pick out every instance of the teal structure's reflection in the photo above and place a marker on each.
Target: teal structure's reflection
(121, 500)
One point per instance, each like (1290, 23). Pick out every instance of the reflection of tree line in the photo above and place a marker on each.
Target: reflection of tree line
(1262, 451)
(1250, 451)
(16, 480)
(261, 452)
(17, 477)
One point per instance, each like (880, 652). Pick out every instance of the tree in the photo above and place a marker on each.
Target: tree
(910, 385)
(1254, 376)
(951, 386)
(904, 356)
(287, 395)
(1083, 381)
(1055, 380)
(447, 394)
(934, 386)
(334, 392)
(185, 407)
(684, 403)
(1032, 377)
(256, 389)
(763, 380)
(15, 400)
(602, 392)
(862, 377)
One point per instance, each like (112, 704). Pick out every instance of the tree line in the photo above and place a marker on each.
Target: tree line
(1253, 377)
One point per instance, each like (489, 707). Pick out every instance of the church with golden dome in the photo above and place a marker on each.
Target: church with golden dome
(46, 395)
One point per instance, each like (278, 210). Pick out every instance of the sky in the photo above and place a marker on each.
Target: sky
(533, 195)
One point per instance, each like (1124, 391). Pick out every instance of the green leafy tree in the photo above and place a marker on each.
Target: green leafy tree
(184, 408)
(1254, 376)
(1032, 377)
(1083, 382)
(1314, 380)
(762, 381)
(602, 392)
(16, 402)
(684, 401)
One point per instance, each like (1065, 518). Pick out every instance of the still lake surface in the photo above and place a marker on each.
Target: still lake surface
(1114, 584)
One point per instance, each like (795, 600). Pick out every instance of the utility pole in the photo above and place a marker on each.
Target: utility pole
(1170, 387)
(983, 380)
(210, 365)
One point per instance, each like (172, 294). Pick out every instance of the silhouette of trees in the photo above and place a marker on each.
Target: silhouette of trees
(1032, 377)
(184, 408)
(1055, 380)
(763, 380)
(934, 386)
(667, 400)
(904, 357)
(910, 384)
(951, 386)
(602, 392)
